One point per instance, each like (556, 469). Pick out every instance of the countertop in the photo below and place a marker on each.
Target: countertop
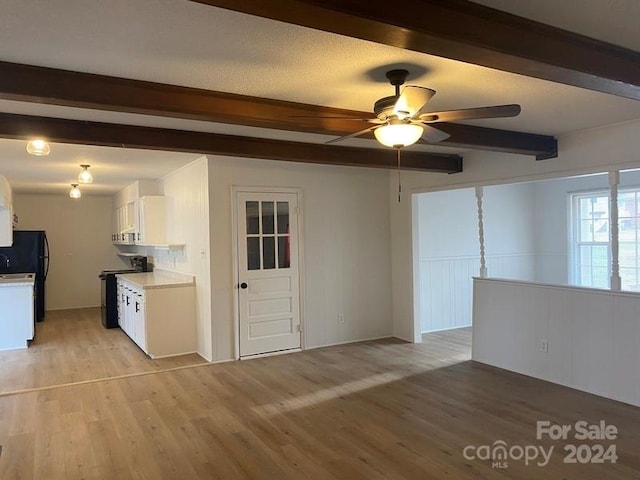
(16, 279)
(158, 279)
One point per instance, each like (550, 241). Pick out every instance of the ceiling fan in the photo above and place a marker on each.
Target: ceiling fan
(401, 121)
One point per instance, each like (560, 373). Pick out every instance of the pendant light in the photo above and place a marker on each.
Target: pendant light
(38, 147)
(85, 175)
(75, 191)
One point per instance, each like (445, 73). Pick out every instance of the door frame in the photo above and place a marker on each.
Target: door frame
(235, 189)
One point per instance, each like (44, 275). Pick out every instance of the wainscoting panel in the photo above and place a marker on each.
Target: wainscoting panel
(591, 336)
(446, 286)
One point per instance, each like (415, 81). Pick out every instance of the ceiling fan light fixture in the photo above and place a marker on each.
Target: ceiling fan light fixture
(85, 175)
(75, 191)
(398, 135)
(38, 147)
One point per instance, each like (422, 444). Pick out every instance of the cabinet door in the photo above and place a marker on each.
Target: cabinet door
(140, 321)
(6, 226)
(120, 295)
(6, 213)
(120, 224)
(127, 311)
(114, 226)
(152, 224)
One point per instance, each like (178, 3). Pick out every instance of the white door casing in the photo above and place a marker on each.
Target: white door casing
(268, 272)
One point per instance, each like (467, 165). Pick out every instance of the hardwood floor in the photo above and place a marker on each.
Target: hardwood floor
(72, 346)
(373, 410)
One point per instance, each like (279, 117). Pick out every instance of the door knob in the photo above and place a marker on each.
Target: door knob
(243, 285)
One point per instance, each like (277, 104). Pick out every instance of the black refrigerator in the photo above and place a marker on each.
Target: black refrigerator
(29, 254)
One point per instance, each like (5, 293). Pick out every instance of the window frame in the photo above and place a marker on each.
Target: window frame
(574, 243)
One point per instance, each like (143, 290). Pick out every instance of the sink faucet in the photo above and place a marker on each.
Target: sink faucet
(6, 260)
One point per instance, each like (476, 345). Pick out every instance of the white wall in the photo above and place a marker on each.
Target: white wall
(592, 151)
(552, 221)
(345, 221)
(448, 247)
(552, 224)
(508, 212)
(79, 233)
(187, 190)
(592, 335)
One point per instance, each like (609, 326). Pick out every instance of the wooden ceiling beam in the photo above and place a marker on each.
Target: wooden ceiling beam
(468, 32)
(28, 83)
(126, 136)
(542, 146)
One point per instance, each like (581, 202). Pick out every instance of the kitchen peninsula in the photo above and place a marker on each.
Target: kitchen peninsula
(157, 310)
(17, 325)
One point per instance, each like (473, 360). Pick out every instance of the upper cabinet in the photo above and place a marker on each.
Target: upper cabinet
(6, 213)
(124, 223)
(124, 220)
(140, 216)
(152, 220)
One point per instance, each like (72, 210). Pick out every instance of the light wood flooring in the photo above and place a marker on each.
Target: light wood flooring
(72, 346)
(373, 410)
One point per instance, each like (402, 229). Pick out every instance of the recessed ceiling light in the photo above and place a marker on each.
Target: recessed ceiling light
(38, 147)
(75, 191)
(85, 175)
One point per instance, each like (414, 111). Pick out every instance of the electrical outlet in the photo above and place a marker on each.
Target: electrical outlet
(544, 346)
(341, 319)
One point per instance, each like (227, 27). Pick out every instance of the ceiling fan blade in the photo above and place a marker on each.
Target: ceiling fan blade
(332, 117)
(433, 135)
(411, 101)
(377, 121)
(471, 113)
(351, 135)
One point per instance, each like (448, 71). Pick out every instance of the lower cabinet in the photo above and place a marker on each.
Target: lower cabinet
(161, 321)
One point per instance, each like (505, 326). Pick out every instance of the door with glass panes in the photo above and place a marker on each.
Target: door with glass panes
(269, 304)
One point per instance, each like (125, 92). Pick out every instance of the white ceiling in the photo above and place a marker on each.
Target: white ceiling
(184, 43)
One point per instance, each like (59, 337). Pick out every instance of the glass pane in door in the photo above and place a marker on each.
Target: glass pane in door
(268, 218)
(253, 218)
(269, 253)
(283, 217)
(253, 253)
(284, 252)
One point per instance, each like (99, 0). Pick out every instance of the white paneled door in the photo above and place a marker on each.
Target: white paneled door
(269, 303)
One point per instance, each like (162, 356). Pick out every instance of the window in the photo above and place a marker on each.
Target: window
(629, 238)
(591, 247)
(267, 225)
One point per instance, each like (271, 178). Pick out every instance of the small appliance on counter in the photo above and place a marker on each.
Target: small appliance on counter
(109, 289)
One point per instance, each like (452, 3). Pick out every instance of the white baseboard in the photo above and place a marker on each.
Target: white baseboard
(346, 342)
(70, 308)
(447, 329)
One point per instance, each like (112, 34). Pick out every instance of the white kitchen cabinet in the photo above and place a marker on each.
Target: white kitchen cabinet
(124, 300)
(125, 217)
(6, 226)
(152, 220)
(16, 312)
(158, 315)
(6, 214)
(141, 222)
(139, 320)
(131, 313)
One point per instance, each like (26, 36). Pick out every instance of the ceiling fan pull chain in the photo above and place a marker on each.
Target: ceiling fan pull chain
(399, 179)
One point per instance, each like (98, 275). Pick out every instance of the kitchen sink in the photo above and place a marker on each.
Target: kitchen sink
(17, 277)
